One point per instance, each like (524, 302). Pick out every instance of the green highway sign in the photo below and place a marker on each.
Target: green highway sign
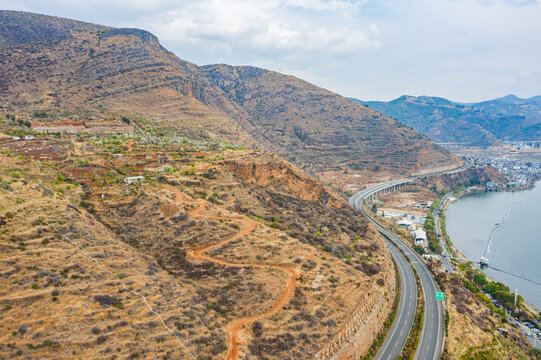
(440, 295)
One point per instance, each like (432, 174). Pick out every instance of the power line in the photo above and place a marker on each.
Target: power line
(517, 276)
(500, 270)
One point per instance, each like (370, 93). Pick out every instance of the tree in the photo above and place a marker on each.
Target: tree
(420, 250)
(480, 279)
(429, 222)
(374, 208)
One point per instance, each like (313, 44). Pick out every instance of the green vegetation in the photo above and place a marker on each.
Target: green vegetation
(459, 190)
(433, 241)
(435, 205)
(479, 284)
(420, 249)
(42, 114)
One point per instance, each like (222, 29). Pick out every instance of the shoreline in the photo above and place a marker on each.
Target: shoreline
(458, 253)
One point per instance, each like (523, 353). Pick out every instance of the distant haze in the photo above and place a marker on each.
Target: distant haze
(463, 50)
(480, 124)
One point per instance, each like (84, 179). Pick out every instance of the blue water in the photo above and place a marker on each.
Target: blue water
(515, 245)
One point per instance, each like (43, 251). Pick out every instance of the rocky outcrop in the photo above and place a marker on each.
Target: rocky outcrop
(17, 27)
(283, 179)
(141, 34)
(470, 177)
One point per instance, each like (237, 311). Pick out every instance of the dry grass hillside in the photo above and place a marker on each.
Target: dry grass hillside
(215, 252)
(48, 63)
(321, 130)
(476, 332)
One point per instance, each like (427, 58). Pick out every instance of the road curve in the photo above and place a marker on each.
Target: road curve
(430, 346)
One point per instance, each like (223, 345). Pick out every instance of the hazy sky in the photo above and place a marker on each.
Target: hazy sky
(464, 50)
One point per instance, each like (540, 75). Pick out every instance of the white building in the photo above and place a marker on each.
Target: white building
(405, 223)
(419, 236)
(133, 179)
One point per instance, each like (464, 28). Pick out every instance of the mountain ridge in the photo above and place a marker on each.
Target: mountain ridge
(480, 124)
(122, 71)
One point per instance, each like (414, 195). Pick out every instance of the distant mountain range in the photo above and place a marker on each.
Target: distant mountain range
(484, 123)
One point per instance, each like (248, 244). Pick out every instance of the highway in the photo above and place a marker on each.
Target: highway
(431, 343)
(430, 346)
(398, 335)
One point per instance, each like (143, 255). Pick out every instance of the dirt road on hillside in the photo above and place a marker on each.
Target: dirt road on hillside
(248, 226)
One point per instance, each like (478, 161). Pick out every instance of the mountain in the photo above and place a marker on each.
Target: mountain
(478, 124)
(441, 120)
(512, 99)
(146, 233)
(166, 240)
(512, 105)
(64, 64)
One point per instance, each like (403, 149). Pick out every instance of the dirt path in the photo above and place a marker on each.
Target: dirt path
(249, 225)
(130, 145)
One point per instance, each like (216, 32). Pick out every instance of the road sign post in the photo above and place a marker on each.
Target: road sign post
(440, 295)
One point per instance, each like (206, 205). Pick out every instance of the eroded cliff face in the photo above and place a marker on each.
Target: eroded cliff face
(282, 177)
(470, 177)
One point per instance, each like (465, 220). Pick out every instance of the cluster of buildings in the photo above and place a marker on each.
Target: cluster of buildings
(412, 222)
(96, 127)
(519, 173)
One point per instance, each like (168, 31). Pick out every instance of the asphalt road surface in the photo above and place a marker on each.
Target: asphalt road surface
(399, 333)
(430, 346)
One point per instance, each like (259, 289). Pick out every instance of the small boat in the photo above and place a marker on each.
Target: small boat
(483, 261)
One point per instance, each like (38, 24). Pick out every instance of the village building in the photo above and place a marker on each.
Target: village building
(97, 127)
(419, 236)
(405, 223)
(133, 179)
(60, 127)
(423, 205)
(108, 126)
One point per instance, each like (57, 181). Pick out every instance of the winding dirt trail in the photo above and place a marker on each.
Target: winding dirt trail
(249, 225)
(130, 145)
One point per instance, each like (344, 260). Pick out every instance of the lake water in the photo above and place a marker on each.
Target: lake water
(515, 245)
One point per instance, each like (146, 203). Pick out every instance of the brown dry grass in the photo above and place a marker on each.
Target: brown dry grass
(144, 235)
